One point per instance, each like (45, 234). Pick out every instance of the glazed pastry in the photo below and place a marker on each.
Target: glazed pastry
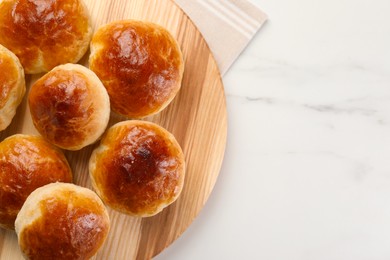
(12, 86)
(138, 168)
(44, 34)
(69, 106)
(62, 221)
(26, 163)
(139, 63)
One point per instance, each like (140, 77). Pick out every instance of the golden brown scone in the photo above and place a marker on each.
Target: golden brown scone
(26, 163)
(12, 86)
(139, 63)
(69, 106)
(44, 34)
(62, 221)
(138, 168)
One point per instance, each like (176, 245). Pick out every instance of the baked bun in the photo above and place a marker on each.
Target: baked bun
(44, 34)
(139, 63)
(12, 86)
(62, 221)
(26, 163)
(138, 168)
(69, 106)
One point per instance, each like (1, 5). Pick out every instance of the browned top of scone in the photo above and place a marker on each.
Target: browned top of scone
(139, 168)
(9, 72)
(72, 226)
(26, 163)
(62, 106)
(44, 34)
(139, 63)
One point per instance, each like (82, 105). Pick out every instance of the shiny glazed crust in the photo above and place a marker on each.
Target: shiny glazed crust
(62, 221)
(12, 86)
(44, 34)
(138, 168)
(69, 106)
(26, 163)
(139, 63)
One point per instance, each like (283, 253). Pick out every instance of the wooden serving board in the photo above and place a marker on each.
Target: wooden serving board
(197, 117)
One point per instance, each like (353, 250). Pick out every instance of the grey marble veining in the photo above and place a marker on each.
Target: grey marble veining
(307, 167)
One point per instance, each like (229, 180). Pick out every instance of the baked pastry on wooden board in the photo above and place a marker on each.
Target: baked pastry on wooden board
(62, 221)
(12, 86)
(26, 163)
(44, 34)
(138, 168)
(69, 106)
(140, 64)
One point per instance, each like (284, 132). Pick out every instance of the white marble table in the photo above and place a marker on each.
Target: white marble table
(307, 167)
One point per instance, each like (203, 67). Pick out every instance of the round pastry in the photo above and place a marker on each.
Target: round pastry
(138, 168)
(44, 34)
(69, 106)
(62, 221)
(12, 86)
(26, 163)
(139, 63)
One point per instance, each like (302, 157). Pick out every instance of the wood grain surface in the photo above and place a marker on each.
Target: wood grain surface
(197, 117)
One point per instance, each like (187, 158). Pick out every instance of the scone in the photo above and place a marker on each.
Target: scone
(44, 34)
(139, 63)
(26, 163)
(138, 169)
(62, 221)
(69, 106)
(12, 86)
